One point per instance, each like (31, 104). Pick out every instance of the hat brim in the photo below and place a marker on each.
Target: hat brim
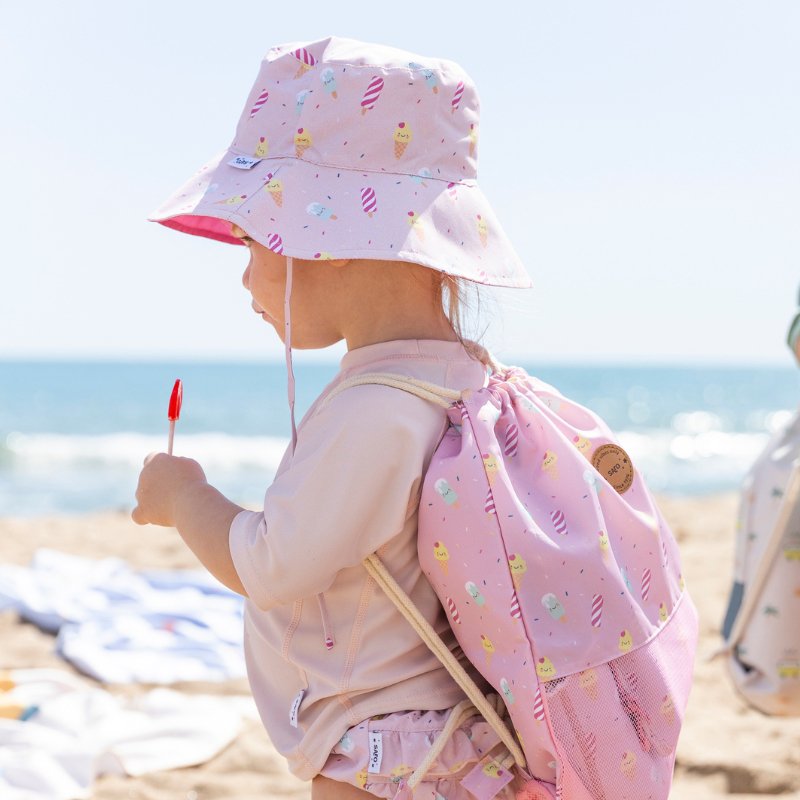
(311, 211)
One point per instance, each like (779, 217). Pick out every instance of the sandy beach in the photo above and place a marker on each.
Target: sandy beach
(726, 748)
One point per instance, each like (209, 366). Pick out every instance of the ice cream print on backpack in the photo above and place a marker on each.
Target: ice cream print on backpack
(575, 548)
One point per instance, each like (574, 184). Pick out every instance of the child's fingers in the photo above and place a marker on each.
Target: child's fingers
(138, 517)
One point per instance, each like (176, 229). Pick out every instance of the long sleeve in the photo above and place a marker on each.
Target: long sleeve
(352, 483)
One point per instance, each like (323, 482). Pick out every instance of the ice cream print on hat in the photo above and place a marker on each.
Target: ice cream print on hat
(352, 150)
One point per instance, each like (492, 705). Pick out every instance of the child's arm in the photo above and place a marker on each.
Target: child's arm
(174, 492)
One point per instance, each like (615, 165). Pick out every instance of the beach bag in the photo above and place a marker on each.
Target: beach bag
(562, 583)
(761, 628)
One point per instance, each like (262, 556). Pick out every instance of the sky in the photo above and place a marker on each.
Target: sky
(644, 159)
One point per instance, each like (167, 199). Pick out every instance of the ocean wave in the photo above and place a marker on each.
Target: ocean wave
(217, 450)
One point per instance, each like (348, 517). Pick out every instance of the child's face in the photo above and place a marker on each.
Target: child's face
(313, 319)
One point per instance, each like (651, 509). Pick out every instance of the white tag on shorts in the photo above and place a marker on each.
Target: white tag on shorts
(243, 162)
(375, 752)
(296, 708)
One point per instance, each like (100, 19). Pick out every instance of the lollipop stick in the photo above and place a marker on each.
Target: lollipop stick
(171, 436)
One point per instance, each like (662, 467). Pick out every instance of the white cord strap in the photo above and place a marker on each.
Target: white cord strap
(440, 395)
(458, 716)
(402, 601)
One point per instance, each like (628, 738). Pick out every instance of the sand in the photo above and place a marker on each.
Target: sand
(726, 748)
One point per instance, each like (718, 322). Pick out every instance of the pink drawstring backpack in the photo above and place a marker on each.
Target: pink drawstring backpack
(562, 583)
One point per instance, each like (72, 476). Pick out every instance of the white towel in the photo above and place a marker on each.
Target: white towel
(121, 626)
(80, 732)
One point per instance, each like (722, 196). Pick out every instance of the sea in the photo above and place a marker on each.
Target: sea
(73, 434)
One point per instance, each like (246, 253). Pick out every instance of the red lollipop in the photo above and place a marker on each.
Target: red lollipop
(174, 412)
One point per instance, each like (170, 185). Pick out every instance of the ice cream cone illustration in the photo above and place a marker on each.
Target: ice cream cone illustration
(402, 136)
(262, 148)
(306, 61)
(628, 765)
(483, 231)
(488, 648)
(416, 224)
(518, 567)
(662, 613)
(232, 201)
(473, 139)
(302, 141)
(583, 444)
(545, 668)
(361, 778)
(323, 256)
(491, 466)
(275, 189)
(587, 680)
(550, 464)
(668, 709)
(441, 555)
(625, 641)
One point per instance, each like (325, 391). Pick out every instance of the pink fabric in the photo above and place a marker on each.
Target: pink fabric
(563, 585)
(405, 739)
(358, 151)
(352, 487)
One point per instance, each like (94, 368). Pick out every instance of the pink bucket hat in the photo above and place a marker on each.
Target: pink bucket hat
(353, 150)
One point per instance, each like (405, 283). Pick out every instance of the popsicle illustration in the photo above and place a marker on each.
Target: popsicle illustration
(368, 201)
(321, 211)
(474, 593)
(306, 61)
(328, 82)
(447, 492)
(372, 94)
(260, 100)
(554, 607)
(459, 92)
(300, 100)
(174, 411)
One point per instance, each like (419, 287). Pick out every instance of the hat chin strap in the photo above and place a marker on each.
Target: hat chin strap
(287, 338)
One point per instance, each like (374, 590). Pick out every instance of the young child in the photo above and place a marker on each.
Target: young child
(352, 181)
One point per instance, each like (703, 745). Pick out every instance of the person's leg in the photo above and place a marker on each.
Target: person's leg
(323, 788)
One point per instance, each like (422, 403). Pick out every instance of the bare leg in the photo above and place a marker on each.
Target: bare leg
(323, 788)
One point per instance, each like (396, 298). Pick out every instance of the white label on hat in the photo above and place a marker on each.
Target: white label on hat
(375, 752)
(243, 162)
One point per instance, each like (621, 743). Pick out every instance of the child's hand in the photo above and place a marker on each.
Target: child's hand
(162, 481)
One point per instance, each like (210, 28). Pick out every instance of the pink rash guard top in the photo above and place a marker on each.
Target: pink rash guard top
(351, 488)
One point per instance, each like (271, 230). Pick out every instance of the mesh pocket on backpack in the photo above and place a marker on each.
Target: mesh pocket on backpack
(616, 725)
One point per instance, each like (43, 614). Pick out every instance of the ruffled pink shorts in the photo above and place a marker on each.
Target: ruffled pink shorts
(380, 753)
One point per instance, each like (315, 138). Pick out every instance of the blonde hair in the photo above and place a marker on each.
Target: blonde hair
(452, 295)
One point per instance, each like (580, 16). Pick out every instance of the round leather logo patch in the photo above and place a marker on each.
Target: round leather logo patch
(614, 464)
